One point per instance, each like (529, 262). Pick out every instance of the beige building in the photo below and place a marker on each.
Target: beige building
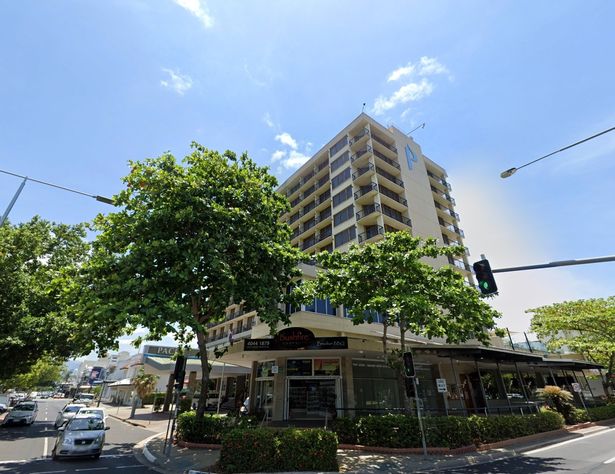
(367, 181)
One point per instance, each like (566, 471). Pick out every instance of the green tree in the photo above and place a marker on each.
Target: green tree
(144, 384)
(191, 238)
(391, 278)
(44, 373)
(39, 260)
(583, 326)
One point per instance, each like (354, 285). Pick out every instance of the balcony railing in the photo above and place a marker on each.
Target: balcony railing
(322, 181)
(392, 213)
(371, 232)
(387, 160)
(394, 196)
(365, 189)
(323, 197)
(390, 177)
(323, 215)
(294, 189)
(367, 210)
(383, 143)
(362, 171)
(360, 153)
(321, 166)
(307, 177)
(325, 233)
(359, 135)
(308, 243)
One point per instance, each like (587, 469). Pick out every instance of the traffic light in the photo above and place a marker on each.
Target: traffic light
(484, 276)
(408, 365)
(410, 392)
(180, 372)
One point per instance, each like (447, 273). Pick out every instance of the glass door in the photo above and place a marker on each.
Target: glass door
(311, 398)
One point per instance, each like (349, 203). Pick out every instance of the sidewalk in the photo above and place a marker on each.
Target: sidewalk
(144, 417)
(182, 460)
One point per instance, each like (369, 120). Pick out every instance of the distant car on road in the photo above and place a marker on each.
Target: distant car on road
(68, 412)
(83, 435)
(85, 398)
(24, 413)
(97, 412)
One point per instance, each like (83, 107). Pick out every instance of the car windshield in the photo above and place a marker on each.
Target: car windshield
(72, 409)
(86, 424)
(97, 413)
(24, 407)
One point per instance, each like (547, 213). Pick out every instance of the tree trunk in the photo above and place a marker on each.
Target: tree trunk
(201, 340)
(385, 327)
(609, 374)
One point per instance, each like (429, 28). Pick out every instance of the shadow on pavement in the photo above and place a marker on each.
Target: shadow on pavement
(515, 465)
(39, 429)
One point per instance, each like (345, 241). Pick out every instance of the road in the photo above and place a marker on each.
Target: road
(593, 453)
(27, 449)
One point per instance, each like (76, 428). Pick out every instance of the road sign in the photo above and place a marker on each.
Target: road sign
(441, 385)
(576, 387)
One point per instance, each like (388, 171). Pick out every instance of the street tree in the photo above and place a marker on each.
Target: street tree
(39, 260)
(44, 373)
(391, 278)
(583, 326)
(191, 238)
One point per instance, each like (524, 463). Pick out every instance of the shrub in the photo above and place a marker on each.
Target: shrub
(448, 431)
(391, 431)
(601, 413)
(578, 416)
(346, 429)
(499, 428)
(208, 429)
(185, 404)
(307, 450)
(557, 399)
(252, 450)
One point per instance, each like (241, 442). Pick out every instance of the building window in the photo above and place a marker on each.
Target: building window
(343, 215)
(321, 306)
(340, 178)
(345, 236)
(342, 196)
(338, 162)
(338, 146)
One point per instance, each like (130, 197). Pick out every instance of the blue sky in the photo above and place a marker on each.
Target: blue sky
(87, 86)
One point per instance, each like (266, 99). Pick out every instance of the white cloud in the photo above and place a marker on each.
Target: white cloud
(180, 83)
(268, 120)
(278, 155)
(286, 139)
(408, 93)
(401, 72)
(295, 160)
(198, 9)
(431, 66)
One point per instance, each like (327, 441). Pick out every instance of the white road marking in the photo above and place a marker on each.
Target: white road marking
(47, 472)
(563, 443)
(609, 461)
(126, 467)
(45, 446)
(17, 461)
(92, 469)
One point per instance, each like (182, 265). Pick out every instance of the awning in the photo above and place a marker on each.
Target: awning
(166, 364)
(479, 353)
(563, 364)
(121, 383)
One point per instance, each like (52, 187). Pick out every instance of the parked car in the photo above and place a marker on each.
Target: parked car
(24, 413)
(3, 408)
(83, 435)
(68, 412)
(85, 398)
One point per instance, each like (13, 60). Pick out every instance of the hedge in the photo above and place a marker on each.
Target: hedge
(209, 429)
(601, 413)
(263, 450)
(402, 431)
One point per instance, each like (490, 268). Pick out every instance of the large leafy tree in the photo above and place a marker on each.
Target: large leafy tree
(191, 238)
(391, 277)
(44, 373)
(39, 260)
(584, 326)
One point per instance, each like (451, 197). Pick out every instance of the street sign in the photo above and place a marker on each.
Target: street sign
(441, 385)
(576, 387)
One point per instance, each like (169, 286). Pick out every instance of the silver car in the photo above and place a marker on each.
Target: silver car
(67, 413)
(83, 435)
(22, 413)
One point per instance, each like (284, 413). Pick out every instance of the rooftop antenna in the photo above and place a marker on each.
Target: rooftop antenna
(363, 109)
(414, 129)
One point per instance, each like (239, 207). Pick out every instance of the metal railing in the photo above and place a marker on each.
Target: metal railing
(371, 232)
(384, 144)
(367, 210)
(358, 136)
(360, 153)
(365, 189)
(362, 171)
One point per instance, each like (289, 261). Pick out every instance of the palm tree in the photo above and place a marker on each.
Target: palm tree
(144, 384)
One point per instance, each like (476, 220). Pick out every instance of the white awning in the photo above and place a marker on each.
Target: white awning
(121, 383)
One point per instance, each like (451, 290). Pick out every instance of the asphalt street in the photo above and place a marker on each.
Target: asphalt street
(593, 453)
(27, 449)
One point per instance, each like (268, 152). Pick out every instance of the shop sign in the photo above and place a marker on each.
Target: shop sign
(295, 338)
(576, 387)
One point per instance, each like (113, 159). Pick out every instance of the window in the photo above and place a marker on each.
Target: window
(343, 215)
(338, 162)
(340, 178)
(345, 236)
(340, 197)
(338, 146)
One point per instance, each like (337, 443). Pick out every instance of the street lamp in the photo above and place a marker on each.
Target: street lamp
(509, 172)
(103, 199)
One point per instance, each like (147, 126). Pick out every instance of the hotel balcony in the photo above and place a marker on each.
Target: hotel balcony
(371, 234)
(359, 139)
(443, 198)
(394, 218)
(439, 181)
(452, 229)
(388, 149)
(392, 182)
(366, 193)
(363, 175)
(387, 164)
(393, 200)
(361, 156)
(369, 214)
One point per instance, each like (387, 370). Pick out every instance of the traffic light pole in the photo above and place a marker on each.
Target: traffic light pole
(560, 263)
(418, 415)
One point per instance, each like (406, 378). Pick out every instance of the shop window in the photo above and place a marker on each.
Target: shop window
(299, 367)
(328, 367)
(264, 369)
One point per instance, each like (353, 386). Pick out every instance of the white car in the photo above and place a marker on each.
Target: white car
(83, 435)
(97, 412)
(68, 412)
(22, 413)
(86, 398)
